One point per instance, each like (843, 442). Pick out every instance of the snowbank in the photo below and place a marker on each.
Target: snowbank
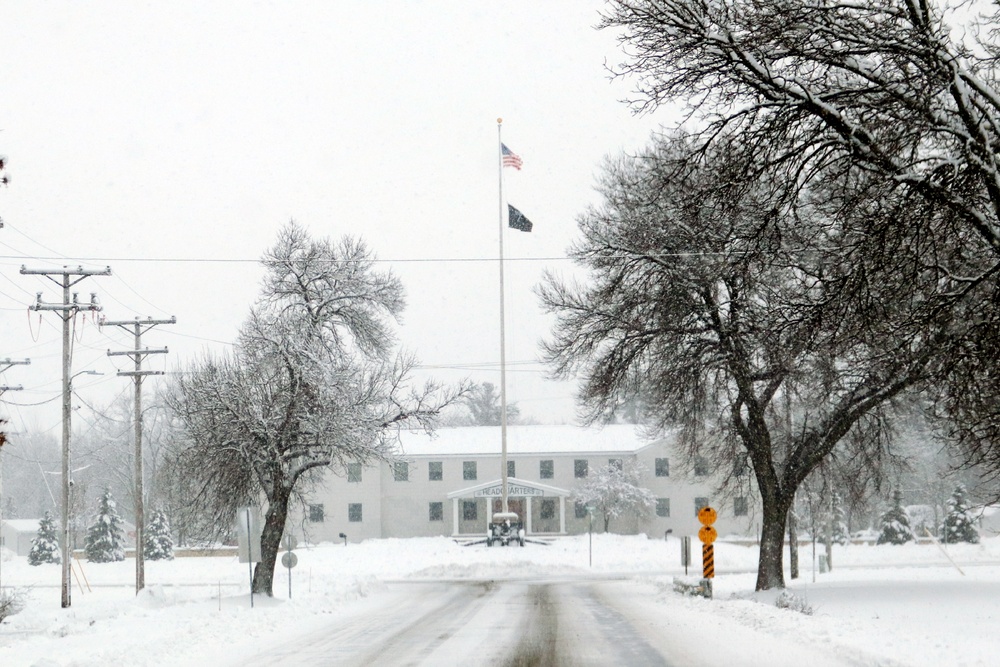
(904, 603)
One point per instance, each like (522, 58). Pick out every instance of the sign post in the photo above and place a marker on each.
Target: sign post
(289, 559)
(248, 530)
(707, 535)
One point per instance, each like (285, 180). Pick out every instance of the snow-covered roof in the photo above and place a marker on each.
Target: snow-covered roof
(22, 525)
(523, 440)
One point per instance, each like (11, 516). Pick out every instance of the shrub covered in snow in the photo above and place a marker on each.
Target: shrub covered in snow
(45, 545)
(959, 526)
(791, 601)
(106, 537)
(159, 545)
(11, 602)
(895, 525)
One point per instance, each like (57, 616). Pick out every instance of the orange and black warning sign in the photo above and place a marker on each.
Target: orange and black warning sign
(707, 535)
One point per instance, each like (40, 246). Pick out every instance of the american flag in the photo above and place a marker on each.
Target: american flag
(510, 158)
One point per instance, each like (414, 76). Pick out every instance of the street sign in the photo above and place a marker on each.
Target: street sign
(708, 561)
(248, 530)
(707, 516)
(291, 542)
(289, 560)
(707, 535)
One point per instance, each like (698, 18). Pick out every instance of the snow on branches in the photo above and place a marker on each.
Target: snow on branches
(159, 545)
(959, 524)
(895, 523)
(614, 491)
(105, 541)
(312, 381)
(45, 545)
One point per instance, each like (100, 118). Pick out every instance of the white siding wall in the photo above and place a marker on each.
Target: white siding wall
(401, 508)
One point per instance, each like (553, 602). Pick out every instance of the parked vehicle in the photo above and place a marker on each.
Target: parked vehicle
(505, 529)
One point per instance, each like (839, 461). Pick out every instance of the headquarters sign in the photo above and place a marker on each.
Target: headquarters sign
(496, 491)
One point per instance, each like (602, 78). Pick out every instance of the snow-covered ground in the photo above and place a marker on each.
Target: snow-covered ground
(884, 605)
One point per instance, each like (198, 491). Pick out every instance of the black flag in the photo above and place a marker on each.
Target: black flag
(516, 220)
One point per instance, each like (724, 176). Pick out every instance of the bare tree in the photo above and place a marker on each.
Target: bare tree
(721, 299)
(312, 383)
(882, 93)
(28, 484)
(483, 404)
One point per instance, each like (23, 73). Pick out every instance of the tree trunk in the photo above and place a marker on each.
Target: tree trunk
(772, 541)
(829, 535)
(793, 545)
(270, 540)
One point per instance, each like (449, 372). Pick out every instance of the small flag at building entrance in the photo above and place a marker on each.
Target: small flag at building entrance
(516, 220)
(510, 158)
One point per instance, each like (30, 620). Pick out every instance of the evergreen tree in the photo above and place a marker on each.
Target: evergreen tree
(959, 525)
(45, 546)
(105, 537)
(840, 533)
(159, 545)
(895, 523)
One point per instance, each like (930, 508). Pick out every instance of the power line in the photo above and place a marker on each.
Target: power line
(377, 260)
(238, 260)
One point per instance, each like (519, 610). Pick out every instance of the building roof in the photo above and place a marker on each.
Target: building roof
(22, 525)
(523, 440)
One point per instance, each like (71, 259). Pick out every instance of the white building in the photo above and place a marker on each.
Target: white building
(17, 534)
(450, 484)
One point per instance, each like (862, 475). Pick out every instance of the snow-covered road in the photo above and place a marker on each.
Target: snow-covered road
(560, 621)
(431, 601)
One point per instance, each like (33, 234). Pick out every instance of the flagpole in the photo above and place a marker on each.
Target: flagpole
(503, 341)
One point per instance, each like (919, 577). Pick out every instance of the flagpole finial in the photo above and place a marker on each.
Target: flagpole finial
(499, 121)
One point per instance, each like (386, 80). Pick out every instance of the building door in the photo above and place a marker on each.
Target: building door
(515, 505)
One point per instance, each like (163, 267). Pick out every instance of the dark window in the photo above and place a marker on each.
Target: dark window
(510, 469)
(316, 513)
(548, 509)
(436, 512)
(545, 469)
(354, 473)
(700, 466)
(435, 471)
(617, 463)
(470, 511)
(354, 512)
(580, 468)
(699, 502)
(663, 507)
(740, 506)
(401, 471)
(468, 470)
(663, 467)
(580, 511)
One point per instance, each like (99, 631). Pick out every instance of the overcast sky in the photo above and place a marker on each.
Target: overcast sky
(170, 141)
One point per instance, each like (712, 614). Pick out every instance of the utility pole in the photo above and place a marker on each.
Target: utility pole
(4, 365)
(138, 328)
(67, 311)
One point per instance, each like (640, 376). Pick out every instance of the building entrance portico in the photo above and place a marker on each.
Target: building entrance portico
(515, 505)
(523, 497)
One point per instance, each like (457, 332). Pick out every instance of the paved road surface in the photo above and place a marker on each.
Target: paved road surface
(555, 622)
